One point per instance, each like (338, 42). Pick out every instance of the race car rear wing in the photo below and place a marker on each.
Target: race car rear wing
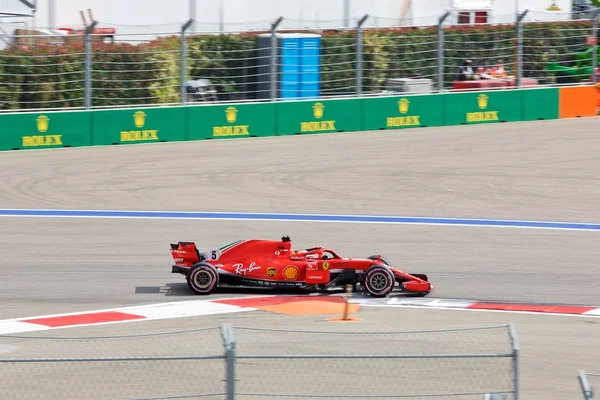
(185, 254)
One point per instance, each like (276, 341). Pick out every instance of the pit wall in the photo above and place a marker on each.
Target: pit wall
(215, 121)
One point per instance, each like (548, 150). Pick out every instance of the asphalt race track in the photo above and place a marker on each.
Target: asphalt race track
(542, 171)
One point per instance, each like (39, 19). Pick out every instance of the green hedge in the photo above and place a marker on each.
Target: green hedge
(148, 73)
(45, 77)
(139, 74)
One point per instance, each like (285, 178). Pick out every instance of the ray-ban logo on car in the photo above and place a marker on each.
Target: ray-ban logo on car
(240, 269)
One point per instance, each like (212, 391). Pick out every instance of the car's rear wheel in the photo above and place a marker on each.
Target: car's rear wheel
(203, 278)
(379, 281)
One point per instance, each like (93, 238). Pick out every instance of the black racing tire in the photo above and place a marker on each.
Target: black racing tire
(383, 260)
(203, 278)
(379, 281)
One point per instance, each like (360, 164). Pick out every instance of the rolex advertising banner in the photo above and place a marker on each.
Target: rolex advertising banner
(230, 121)
(44, 130)
(144, 125)
(403, 112)
(303, 117)
(480, 108)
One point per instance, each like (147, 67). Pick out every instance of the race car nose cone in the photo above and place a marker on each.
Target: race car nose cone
(417, 286)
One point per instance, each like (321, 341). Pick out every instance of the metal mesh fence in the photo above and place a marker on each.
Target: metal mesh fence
(174, 365)
(250, 363)
(46, 72)
(594, 380)
(458, 364)
(143, 378)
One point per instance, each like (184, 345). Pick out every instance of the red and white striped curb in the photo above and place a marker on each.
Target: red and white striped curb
(181, 309)
(195, 308)
(445, 304)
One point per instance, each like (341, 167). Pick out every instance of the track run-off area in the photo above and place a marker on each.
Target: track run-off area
(494, 214)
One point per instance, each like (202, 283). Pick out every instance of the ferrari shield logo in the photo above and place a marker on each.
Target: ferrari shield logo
(325, 266)
(271, 272)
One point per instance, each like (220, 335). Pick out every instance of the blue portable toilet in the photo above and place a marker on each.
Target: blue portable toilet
(298, 72)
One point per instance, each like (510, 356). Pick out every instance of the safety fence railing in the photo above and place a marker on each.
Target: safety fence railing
(85, 69)
(589, 383)
(248, 363)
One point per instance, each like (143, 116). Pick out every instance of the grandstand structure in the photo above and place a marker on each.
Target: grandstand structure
(16, 14)
(18, 8)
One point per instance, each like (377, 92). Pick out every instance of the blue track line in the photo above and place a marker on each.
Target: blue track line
(369, 219)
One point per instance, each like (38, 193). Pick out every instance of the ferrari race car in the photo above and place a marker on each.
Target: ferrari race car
(273, 264)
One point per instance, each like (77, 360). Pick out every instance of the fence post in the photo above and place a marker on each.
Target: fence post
(274, 53)
(440, 38)
(88, 64)
(588, 393)
(221, 18)
(229, 344)
(594, 46)
(193, 10)
(347, 13)
(520, 47)
(515, 349)
(183, 59)
(359, 54)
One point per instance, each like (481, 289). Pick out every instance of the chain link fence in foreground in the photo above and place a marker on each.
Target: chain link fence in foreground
(251, 363)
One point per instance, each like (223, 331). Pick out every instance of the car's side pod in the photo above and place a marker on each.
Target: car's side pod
(347, 276)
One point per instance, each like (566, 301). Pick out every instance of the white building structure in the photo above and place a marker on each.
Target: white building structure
(149, 16)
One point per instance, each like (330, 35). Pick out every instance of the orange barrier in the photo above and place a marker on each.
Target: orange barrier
(578, 101)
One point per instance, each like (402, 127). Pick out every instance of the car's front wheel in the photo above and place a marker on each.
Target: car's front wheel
(379, 281)
(203, 278)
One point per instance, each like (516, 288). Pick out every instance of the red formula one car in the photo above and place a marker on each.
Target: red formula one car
(272, 263)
